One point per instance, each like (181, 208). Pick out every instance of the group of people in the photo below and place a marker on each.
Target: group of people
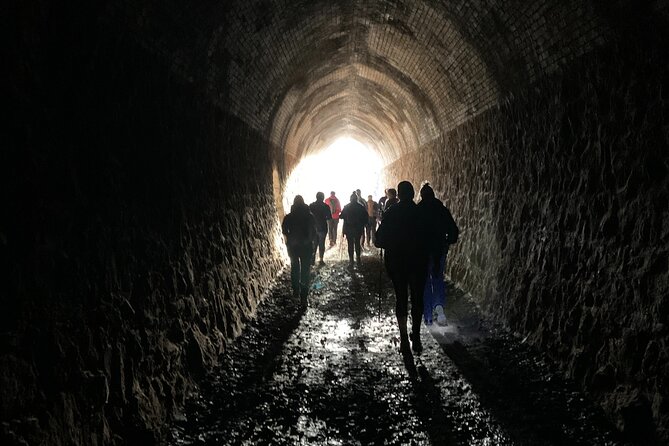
(414, 236)
(416, 239)
(374, 212)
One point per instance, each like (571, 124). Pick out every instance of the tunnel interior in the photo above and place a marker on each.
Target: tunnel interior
(150, 146)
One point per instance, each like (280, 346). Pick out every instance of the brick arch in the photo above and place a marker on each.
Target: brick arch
(430, 65)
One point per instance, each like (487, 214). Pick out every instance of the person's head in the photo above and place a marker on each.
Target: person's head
(369, 198)
(354, 198)
(332, 194)
(298, 200)
(357, 192)
(405, 191)
(385, 192)
(392, 193)
(320, 196)
(426, 192)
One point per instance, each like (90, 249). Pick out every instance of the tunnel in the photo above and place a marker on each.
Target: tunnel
(147, 157)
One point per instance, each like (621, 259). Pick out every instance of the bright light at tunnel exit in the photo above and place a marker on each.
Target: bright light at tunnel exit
(344, 166)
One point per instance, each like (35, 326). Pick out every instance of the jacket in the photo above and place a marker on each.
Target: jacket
(321, 213)
(335, 206)
(299, 227)
(355, 218)
(439, 228)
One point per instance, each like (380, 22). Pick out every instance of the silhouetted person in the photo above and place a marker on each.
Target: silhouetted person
(321, 213)
(382, 200)
(439, 231)
(400, 235)
(372, 214)
(299, 227)
(355, 218)
(391, 201)
(335, 209)
(363, 203)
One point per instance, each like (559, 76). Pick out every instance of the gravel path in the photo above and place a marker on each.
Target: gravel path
(332, 374)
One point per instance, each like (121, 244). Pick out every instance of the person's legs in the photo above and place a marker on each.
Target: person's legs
(332, 231)
(295, 273)
(351, 240)
(400, 285)
(357, 248)
(417, 285)
(372, 225)
(321, 245)
(368, 231)
(314, 247)
(428, 294)
(401, 304)
(305, 270)
(438, 283)
(439, 296)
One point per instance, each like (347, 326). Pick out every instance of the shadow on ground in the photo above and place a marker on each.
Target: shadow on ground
(332, 374)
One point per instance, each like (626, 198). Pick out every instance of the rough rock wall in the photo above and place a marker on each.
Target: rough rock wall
(137, 233)
(562, 196)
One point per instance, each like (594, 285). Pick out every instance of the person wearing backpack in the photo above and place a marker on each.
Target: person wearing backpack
(440, 231)
(299, 229)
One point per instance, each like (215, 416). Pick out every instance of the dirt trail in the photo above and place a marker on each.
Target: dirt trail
(331, 374)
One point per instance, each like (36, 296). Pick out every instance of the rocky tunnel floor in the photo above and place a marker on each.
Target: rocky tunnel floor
(332, 374)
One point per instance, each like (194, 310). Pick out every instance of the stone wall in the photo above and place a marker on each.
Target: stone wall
(562, 196)
(137, 233)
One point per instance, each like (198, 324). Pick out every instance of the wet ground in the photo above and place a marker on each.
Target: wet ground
(332, 374)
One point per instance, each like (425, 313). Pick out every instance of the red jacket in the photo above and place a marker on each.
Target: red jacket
(335, 206)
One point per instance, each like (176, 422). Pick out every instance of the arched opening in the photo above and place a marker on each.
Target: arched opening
(344, 166)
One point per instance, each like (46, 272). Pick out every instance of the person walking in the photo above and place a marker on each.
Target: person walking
(372, 214)
(440, 231)
(355, 218)
(400, 234)
(363, 203)
(321, 213)
(391, 201)
(382, 200)
(299, 228)
(335, 209)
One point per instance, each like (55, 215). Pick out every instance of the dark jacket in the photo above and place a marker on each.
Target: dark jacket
(322, 214)
(299, 227)
(390, 202)
(355, 219)
(439, 228)
(400, 234)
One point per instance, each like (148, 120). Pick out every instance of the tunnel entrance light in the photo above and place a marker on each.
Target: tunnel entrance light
(344, 166)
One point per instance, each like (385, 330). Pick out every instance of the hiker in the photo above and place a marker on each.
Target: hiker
(391, 201)
(400, 234)
(299, 228)
(372, 214)
(363, 203)
(321, 213)
(440, 231)
(355, 218)
(382, 200)
(335, 209)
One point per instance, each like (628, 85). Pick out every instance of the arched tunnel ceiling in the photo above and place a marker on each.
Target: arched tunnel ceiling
(394, 74)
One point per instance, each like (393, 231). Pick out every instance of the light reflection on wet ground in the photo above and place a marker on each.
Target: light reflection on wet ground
(331, 374)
